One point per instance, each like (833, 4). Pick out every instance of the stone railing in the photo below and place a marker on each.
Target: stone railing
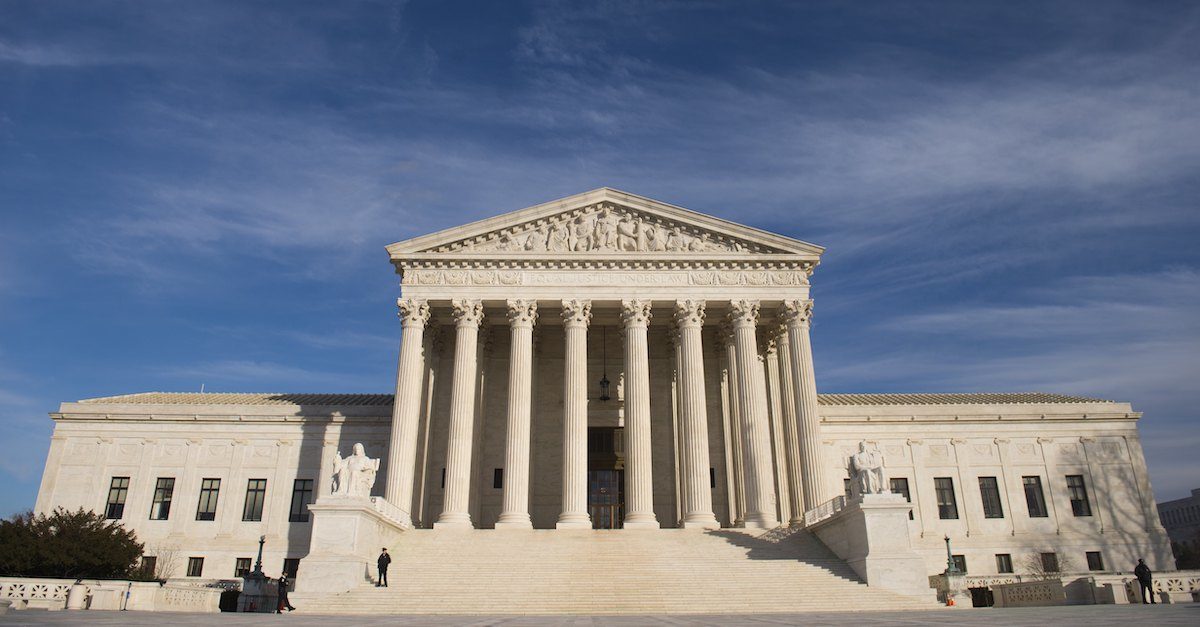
(1087, 587)
(824, 510)
(29, 592)
(389, 511)
(1040, 593)
(26, 592)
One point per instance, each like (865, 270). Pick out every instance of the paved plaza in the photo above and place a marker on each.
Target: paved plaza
(1091, 615)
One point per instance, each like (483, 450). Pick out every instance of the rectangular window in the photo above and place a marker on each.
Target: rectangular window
(195, 567)
(302, 491)
(947, 505)
(164, 489)
(117, 491)
(960, 562)
(291, 566)
(1080, 505)
(241, 567)
(206, 509)
(1003, 563)
(256, 494)
(989, 491)
(1095, 561)
(1050, 562)
(1034, 499)
(899, 485)
(846, 487)
(148, 566)
(498, 478)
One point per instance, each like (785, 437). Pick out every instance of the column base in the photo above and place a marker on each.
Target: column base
(700, 522)
(760, 521)
(454, 521)
(573, 521)
(514, 521)
(640, 521)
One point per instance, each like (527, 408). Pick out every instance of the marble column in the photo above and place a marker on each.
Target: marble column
(697, 493)
(737, 471)
(455, 509)
(797, 315)
(515, 513)
(756, 437)
(576, 315)
(791, 430)
(402, 449)
(639, 484)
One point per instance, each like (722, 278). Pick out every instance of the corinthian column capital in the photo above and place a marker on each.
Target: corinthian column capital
(413, 311)
(796, 311)
(522, 313)
(689, 313)
(467, 313)
(635, 313)
(576, 312)
(743, 313)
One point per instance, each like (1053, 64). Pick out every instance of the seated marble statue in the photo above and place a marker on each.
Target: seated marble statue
(354, 475)
(866, 467)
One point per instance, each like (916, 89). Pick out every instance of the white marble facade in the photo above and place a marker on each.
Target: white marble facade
(702, 327)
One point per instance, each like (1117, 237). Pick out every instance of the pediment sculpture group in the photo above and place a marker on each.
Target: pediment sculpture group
(607, 229)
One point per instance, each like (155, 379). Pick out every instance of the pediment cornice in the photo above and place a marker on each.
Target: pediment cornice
(604, 224)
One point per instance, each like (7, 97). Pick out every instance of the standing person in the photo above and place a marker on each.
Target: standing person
(382, 563)
(283, 590)
(1144, 581)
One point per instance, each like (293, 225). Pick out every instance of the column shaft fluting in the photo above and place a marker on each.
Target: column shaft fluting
(515, 511)
(735, 439)
(455, 506)
(697, 493)
(576, 315)
(797, 315)
(402, 448)
(756, 438)
(639, 485)
(791, 429)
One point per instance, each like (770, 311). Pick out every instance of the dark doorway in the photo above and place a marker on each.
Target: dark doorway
(606, 477)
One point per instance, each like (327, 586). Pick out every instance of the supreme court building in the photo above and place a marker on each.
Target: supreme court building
(611, 362)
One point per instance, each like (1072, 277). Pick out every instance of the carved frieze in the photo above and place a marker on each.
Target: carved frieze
(605, 276)
(604, 228)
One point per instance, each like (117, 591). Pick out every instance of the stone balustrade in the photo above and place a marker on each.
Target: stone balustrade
(43, 593)
(824, 510)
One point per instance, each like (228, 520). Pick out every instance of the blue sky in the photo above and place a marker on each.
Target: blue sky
(200, 192)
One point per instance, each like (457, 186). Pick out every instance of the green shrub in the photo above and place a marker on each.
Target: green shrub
(67, 545)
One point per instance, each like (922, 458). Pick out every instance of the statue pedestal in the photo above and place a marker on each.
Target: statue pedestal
(259, 594)
(871, 534)
(347, 535)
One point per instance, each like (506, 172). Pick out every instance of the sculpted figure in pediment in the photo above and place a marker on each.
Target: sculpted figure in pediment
(605, 235)
(675, 241)
(582, 234)
(560, 238)
(536, 241)
(628, 233)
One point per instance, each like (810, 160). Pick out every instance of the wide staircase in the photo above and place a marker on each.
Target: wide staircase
(613, 572)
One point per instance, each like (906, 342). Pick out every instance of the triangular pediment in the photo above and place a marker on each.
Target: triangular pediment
(603, 221)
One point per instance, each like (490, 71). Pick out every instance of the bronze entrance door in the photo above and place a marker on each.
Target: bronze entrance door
(606, 478)
(605, 498)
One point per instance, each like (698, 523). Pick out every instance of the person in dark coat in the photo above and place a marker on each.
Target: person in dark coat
(382, 563)
(283, 590)
(1142, 572)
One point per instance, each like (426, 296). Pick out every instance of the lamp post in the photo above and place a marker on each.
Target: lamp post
(951, 567)
(258, 563)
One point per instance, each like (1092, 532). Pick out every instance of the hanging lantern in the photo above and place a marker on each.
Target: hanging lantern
(604, 382)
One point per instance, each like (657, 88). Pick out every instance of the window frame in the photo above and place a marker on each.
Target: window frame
(1050, 563)
(210, 495)
(195, 564)
(1004, 563)
(1035, 501)
(960, 562)
(256, 499)
(989, 496)
(160, 503)
(242, 567)
(1099, 565)
(1081, 505)
(947, 509)
(899, 485)
(302, 489)
(114, 505)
